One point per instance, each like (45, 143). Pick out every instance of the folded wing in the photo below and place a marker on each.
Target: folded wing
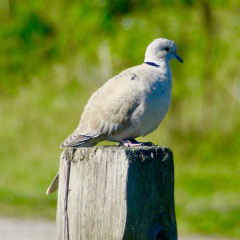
(108, 111)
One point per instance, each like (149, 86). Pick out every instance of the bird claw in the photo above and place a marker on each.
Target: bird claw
(134, 143)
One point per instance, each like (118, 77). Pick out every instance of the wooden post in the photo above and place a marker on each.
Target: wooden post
(113, 193)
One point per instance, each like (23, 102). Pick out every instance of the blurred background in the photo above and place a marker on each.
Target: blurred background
(55, 54)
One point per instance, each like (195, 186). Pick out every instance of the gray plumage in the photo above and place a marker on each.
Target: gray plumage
(130, 105)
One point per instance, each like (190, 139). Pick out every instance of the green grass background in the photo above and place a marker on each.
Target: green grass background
(55, 54)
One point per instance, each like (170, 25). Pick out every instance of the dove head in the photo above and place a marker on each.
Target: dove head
(161, 51)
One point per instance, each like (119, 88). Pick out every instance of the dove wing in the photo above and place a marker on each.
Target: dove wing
(108, 111)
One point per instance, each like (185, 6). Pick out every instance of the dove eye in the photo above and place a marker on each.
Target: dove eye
(167, 49)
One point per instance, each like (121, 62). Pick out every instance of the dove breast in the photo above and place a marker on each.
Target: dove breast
(129, 105)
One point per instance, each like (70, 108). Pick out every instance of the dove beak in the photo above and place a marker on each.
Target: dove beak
(178, 58)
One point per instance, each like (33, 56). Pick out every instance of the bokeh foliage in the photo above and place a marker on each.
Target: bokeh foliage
(54, 54)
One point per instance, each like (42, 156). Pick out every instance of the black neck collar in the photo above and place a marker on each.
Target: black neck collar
(152, 64)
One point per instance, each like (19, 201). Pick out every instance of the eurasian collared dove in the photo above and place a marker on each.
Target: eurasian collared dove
(129, 105)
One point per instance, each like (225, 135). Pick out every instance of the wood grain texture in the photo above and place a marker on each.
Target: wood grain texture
(108, 193)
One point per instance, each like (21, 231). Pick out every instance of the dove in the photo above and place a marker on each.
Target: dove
(129, 105)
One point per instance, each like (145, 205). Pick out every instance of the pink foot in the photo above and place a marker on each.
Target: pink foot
(134, 143)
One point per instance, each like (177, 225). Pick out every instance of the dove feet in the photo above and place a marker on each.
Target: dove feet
(133, 143)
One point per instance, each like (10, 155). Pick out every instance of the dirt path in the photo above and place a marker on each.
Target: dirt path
(25, 229)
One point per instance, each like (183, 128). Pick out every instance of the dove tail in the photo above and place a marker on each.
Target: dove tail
(53, 186)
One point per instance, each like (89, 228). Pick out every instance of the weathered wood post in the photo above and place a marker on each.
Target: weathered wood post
(113, 193)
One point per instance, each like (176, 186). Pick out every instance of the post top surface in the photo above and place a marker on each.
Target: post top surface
(121, 148)
(138, 152)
